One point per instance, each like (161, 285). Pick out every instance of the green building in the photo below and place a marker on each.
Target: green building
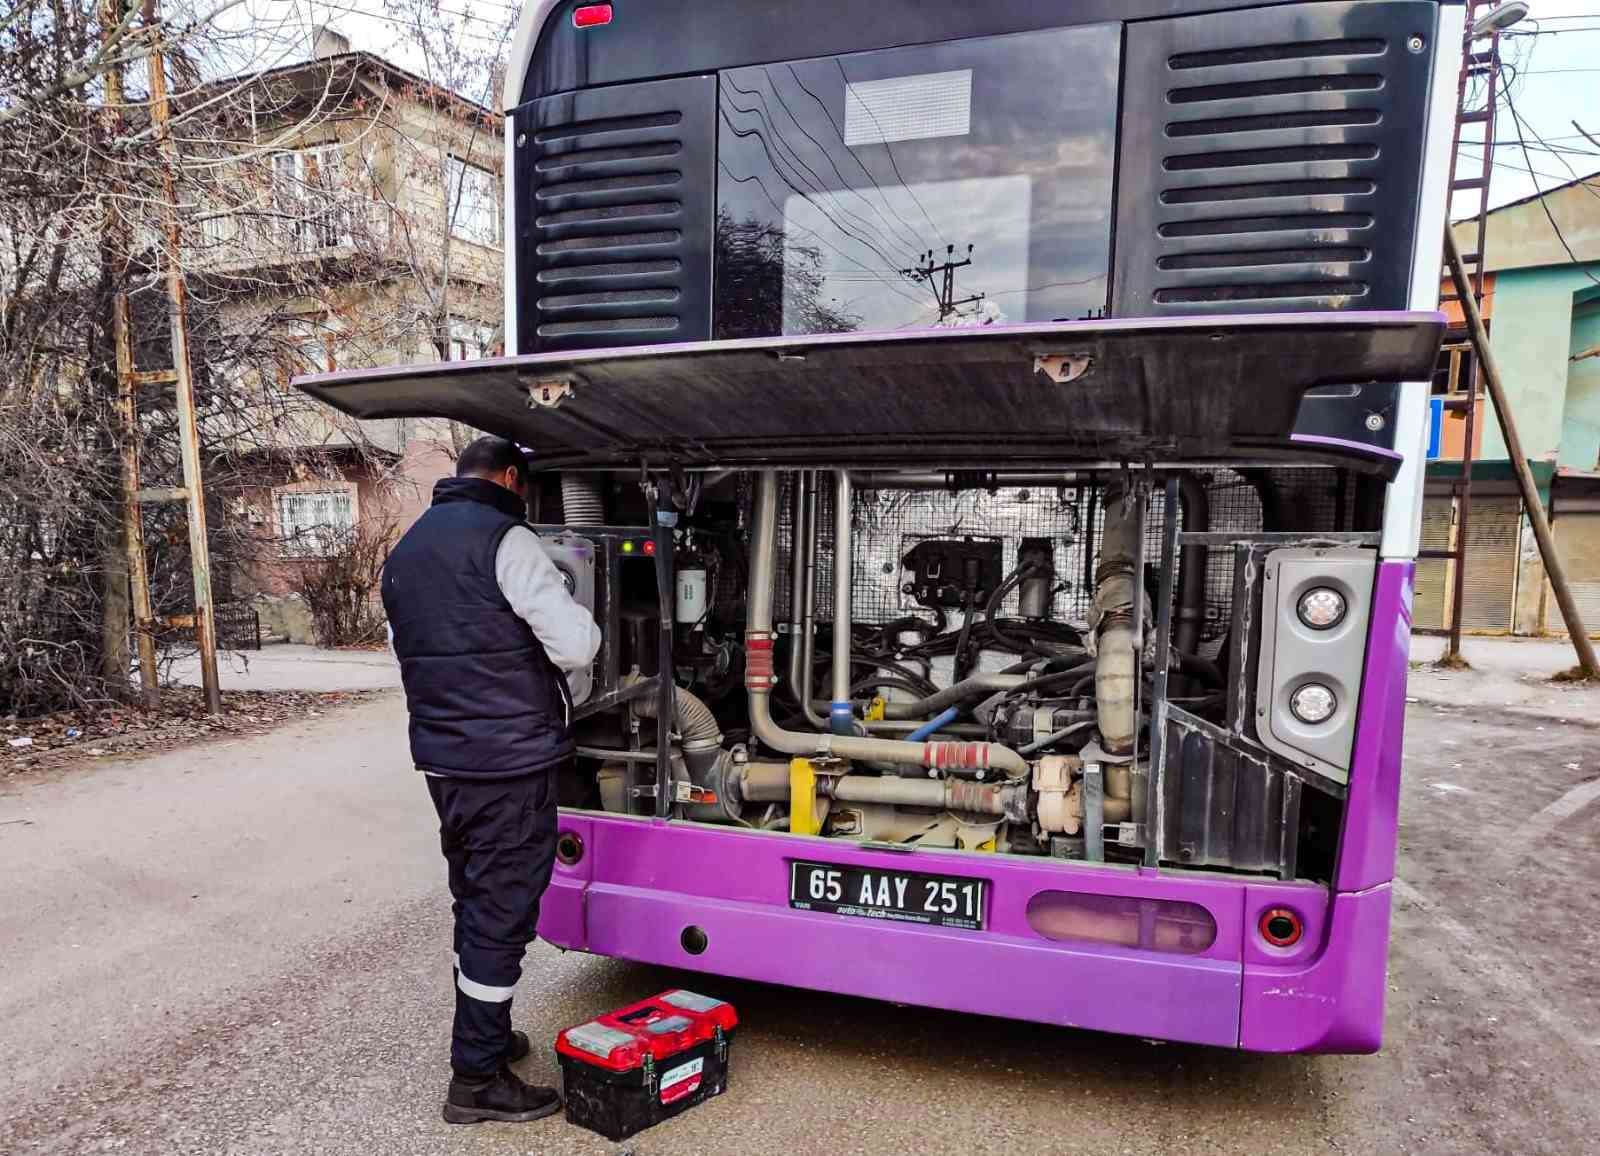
(1542, 308)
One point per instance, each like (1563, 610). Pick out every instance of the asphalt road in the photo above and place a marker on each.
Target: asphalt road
(243, 948)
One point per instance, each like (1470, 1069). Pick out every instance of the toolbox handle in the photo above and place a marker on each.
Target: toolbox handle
(638, 1014)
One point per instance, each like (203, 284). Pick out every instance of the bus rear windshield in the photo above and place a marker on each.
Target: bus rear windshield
(964, 183)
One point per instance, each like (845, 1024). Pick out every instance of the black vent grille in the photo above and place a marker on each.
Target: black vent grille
(1271, 159)
(615, 223)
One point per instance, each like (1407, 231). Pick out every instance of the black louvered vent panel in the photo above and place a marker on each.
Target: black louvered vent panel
(615, 209)
(1270, 159)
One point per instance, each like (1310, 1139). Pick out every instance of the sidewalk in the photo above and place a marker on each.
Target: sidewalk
(1505, 674)
(292, 667)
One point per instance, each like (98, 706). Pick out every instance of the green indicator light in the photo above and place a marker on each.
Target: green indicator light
(627, 547)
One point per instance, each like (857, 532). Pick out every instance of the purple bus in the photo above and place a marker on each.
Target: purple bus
(990, 437)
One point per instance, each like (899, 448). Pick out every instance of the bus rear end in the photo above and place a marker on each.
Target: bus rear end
(990, 439)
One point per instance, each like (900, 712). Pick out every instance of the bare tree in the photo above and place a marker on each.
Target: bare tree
(82, 179)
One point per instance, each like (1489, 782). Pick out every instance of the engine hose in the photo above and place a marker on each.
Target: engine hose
(698, 729)
(582, 503)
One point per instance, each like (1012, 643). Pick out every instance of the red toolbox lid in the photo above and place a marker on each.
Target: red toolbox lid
(658, 1027)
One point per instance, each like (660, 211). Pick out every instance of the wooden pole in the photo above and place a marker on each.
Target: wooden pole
(127, 409)
(1519, 463)
(205, 628)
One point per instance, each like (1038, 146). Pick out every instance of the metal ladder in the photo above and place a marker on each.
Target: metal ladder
(1475, 105)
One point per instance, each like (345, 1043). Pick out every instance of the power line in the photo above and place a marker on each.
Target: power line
(1543, 204)
(778, 172)
(917, 241)
(887, 147)
(816, 183)
(756, 179)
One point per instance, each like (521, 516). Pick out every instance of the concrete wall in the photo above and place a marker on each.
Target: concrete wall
(1580, 426)
(1532, 337)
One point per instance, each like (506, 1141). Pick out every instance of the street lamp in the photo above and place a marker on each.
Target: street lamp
(1498, 19)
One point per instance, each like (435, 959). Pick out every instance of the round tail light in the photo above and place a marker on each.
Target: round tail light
(1281, 927)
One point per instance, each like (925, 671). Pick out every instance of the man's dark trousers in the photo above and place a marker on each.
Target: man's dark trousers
(498, 836)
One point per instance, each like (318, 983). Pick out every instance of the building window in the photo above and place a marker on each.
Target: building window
(469, 340)
(312, 523)
(473, 210)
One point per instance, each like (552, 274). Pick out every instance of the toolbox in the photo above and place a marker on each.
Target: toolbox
(630, 1069)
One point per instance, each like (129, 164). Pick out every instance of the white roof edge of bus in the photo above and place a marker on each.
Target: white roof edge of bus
(1402, 513)
(523, 42)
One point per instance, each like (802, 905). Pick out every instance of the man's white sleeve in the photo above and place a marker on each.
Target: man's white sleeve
(533, 586)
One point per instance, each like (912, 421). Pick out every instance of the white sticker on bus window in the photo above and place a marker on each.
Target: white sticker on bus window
(930, 104)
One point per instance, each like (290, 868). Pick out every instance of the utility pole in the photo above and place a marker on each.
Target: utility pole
(1519, 462)
(127, 413)
(943, 292)
(193, 493)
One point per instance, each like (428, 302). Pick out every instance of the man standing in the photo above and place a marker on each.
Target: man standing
(486, 633)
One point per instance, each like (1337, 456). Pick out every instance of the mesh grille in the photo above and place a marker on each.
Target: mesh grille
(888, 523)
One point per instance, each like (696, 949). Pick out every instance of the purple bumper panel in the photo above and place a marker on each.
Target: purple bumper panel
(640, 884)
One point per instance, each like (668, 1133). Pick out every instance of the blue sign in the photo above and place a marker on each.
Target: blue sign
(1435, 426)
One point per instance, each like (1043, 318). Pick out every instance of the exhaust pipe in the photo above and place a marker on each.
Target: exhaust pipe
(1118, 596)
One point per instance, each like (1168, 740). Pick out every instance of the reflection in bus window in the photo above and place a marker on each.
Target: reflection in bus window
(917, 187)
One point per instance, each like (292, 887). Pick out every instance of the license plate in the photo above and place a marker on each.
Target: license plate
(900, 896)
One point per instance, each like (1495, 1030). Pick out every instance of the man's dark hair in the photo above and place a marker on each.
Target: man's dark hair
(489, 455)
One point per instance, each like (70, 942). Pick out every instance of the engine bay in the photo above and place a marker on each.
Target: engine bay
(1106, 665)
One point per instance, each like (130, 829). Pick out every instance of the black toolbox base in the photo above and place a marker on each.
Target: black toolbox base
(620, 1104)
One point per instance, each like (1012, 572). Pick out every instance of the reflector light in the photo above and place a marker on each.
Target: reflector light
(1280, 927)
(591, 15)
(1321, 608)
(1313, 703)
(650, 547)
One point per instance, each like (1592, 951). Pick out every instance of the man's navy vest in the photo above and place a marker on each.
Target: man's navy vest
(486, 702)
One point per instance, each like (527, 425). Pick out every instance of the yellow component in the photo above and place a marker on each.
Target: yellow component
(875, 709)
(803, 798)
(986, 845)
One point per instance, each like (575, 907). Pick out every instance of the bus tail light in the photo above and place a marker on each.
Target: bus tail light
(591, 15)
(1281, 926)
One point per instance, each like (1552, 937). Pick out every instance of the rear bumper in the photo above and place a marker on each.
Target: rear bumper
(640, 884)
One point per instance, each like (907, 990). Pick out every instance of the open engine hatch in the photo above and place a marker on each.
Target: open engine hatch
(1141, 389)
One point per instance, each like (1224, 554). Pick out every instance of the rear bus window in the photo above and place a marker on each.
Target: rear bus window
(965, 183)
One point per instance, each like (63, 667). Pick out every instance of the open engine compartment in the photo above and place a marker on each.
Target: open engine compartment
(1085, 664)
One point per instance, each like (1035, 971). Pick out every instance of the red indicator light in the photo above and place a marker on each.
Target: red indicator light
(649, 547)
(1281, 927)
(591, 15)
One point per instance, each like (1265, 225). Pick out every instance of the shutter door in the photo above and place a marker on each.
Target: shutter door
(1493, 534)
(1578, 539)
(1433, 574)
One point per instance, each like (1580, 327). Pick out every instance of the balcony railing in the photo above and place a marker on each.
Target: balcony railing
(293, 229)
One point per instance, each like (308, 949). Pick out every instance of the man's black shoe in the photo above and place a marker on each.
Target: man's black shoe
(501, 1096)
(519, 1047)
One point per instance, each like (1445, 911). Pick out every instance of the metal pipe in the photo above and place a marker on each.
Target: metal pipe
(1192, 565)
(841, 716)
(770, 783)
(798, 687)
(759, 679)
(808, 625)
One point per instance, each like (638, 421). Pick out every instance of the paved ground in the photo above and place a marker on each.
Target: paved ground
(242, 949)
(290, 667)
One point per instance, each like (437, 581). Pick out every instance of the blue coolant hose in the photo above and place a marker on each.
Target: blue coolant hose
(941, 720)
